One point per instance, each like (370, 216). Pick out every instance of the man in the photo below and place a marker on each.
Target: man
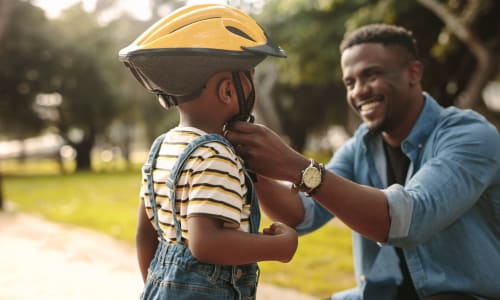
(418, 184)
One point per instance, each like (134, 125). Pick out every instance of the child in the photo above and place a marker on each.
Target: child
(198, 218)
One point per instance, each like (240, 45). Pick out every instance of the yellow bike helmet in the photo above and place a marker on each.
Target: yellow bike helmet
(176, 56)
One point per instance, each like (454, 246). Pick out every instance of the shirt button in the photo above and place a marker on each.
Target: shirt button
(420, 146)
(362, 278)
(238, 274)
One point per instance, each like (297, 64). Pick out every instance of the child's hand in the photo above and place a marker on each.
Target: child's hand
(289, 239)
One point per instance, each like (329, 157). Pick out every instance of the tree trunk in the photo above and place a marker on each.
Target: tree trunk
(60, 162)
(1, 191)
(83, 162)
(5, 8)
(127, 143)
(83, 151)
(472, 94)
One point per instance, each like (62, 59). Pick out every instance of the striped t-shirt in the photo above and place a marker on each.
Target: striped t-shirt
(212, 183)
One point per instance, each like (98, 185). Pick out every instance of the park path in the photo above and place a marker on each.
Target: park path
(51, 261)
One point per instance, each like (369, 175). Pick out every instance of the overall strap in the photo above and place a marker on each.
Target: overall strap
(177, 169)
(147, 169)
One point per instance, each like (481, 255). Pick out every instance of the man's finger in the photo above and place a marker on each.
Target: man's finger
(237, 137)
(243, 127)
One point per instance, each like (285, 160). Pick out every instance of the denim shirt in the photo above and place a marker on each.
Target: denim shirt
(446, 217)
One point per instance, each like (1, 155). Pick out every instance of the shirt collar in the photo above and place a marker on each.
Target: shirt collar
(423, 127)
(425, 124)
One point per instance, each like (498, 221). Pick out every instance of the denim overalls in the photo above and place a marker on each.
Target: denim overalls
(174, 273)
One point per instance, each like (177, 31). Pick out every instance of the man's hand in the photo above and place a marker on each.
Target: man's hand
(264, 152)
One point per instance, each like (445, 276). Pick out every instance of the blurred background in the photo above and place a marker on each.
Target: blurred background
(75, 126)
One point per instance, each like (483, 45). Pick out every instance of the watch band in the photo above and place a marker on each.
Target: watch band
(301, 186)
(321, 169)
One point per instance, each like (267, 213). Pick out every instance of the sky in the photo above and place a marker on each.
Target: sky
(137, 8)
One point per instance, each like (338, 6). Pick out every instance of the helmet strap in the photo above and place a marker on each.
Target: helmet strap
(166, 100)
(245, 105)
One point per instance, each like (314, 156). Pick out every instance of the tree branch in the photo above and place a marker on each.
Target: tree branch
(5, 8)
(458, 28)
(485, 58)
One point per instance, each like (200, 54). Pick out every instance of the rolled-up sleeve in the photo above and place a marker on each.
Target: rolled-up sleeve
(400, 211)
(455, 171)
(315, 216)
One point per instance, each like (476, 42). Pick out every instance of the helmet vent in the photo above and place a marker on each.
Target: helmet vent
(239, 32)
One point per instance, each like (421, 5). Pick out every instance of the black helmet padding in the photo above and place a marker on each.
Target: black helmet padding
(171, 71)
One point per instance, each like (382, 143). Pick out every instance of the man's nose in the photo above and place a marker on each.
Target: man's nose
(360, 90)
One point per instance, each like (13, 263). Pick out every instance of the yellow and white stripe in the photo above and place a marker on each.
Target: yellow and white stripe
(211, 183)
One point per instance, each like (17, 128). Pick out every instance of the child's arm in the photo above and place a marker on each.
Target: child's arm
(211, 243)
(146, 241)
(279, 202)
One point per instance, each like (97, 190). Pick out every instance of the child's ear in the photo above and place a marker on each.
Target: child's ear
(225, 90)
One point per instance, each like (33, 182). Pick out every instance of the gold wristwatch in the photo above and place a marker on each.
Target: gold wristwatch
(310, 178)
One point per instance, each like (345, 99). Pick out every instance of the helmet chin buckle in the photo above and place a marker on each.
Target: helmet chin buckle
(167, 101)
(243, 118)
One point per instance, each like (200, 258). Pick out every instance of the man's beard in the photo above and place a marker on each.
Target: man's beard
(379, 127)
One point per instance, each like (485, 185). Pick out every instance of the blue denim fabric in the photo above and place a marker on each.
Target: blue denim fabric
(446, 217)
(174, 273)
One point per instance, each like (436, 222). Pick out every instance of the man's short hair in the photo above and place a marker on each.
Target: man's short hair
(388, 35)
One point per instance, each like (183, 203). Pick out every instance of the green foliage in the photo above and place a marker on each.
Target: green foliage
(25, 55)
(322, 264)
(108, 202)
(310, 95)
(78, 57)
(56, 57)
(137, 105)
(89, 104)
(94, 200)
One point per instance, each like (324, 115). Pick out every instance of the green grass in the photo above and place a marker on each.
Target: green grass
(107, 202)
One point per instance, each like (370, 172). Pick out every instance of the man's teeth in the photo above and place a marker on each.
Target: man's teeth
(368, 106)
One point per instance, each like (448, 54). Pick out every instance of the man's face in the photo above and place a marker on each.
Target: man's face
(377, 82)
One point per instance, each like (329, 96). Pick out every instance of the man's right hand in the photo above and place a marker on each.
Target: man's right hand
(264, 152)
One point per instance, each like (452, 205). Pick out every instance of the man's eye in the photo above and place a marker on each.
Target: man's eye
(372, 75)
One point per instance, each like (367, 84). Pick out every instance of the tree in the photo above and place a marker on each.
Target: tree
(25, 54)
(459, 43)
(57, 57)
(4, 13)
(20, 70)
(83, 76)
(309, 93)
(138, 107)
(5, 8)
(468, 25)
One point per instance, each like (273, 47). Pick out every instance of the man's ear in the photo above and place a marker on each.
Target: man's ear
(225, 90)
(416, 69)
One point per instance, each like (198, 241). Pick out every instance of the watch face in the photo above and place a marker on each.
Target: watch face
(311, 177)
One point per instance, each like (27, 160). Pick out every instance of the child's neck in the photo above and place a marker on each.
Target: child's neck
(202, 125)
